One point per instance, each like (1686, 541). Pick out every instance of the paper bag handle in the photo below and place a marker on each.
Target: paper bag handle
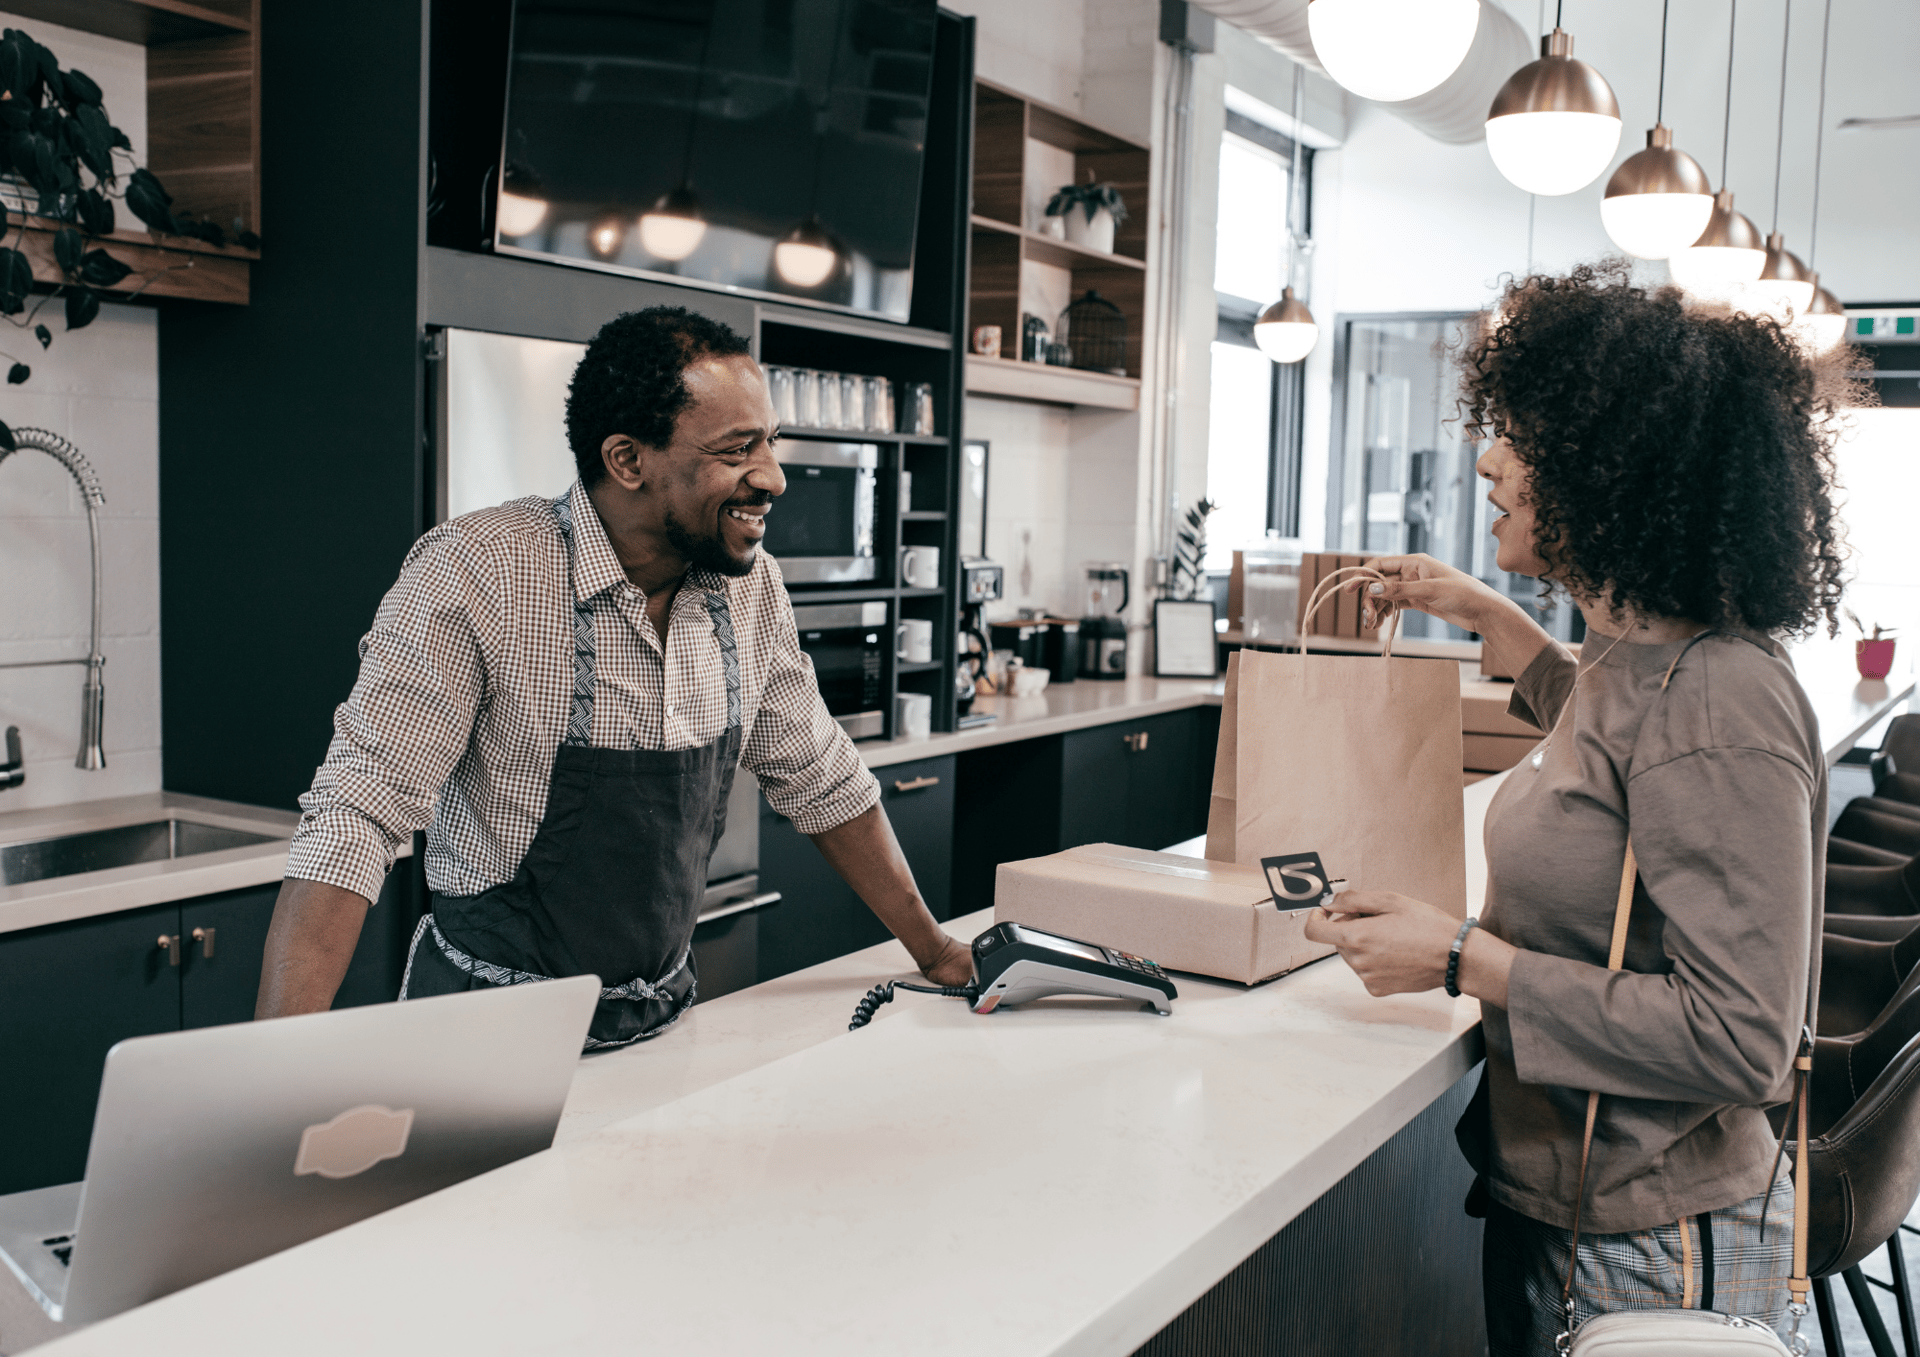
(1323, 595)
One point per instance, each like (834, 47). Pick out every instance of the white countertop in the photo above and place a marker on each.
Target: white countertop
(86, 894)
(1059, 708)
(1092, 1171)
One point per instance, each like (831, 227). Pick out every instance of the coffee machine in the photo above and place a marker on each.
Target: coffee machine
(1103, 628)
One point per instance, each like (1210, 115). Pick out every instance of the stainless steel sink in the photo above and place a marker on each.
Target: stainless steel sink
(98, 849)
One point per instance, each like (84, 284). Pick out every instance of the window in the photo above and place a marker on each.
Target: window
(1254, 436)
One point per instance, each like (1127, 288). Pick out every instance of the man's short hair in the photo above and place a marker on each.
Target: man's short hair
(632, 380)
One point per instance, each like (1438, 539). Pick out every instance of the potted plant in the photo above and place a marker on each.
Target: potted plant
(58, 165)
(1101, 209)
(1872, 654)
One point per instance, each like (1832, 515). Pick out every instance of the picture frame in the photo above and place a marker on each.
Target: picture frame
(1184, 643)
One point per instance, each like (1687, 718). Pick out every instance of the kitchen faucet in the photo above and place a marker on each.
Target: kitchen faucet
(93, 694)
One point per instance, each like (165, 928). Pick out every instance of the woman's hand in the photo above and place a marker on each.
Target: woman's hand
(1429, 585)
(1399, 945)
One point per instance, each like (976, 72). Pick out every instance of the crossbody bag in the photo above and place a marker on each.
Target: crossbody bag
(1691, 1333)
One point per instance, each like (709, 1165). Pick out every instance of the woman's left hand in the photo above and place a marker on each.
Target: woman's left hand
(1395, 944)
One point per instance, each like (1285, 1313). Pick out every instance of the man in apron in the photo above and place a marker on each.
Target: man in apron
(559, 691)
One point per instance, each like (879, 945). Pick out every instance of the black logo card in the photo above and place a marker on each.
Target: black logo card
(1297, 880)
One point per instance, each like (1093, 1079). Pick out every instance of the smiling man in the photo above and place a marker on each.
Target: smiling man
(559, 692)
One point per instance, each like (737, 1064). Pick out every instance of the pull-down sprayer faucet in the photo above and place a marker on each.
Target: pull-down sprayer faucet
(93, 695)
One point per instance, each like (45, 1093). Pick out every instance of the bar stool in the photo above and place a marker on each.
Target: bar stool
(1896, 767)
(1881, 903)
(1861, 979)
(1864, 1113)
(1880, 823)
(1846, 852)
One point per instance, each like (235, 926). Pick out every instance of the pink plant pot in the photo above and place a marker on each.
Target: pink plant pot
(1874, 658)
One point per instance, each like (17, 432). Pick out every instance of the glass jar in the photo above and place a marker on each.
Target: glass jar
(780, 392)
(806, 398)
(853, 402)
(829, 417)
(1270, 592)
(879, 405)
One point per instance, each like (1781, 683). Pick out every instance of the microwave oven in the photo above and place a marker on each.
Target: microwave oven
(847, 643)
(821, 529)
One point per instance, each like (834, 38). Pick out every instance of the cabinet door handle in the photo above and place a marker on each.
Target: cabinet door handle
(1137, 741)
(917, 784)
(170, 944)
(204, 936)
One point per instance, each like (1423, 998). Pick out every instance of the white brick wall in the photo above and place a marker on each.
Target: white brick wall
(98, 388)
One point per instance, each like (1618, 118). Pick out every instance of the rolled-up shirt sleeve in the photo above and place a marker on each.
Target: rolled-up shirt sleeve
(808, 768)
(1722, 1025)
(408, 720)
(1541, 691)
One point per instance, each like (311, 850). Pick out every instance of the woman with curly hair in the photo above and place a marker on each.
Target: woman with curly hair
(1670, 470)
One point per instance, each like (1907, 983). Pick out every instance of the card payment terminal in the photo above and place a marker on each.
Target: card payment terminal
(1013, 963)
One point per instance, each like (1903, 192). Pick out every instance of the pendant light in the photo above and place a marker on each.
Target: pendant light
(1555, 124)
(1390, 50)
(674, 226)
(606, 233)
(1659, 199)
(1785, 287)
(1286, 331)
(523, 202)
(1729, 253)
(808, 256)
(1824, 323)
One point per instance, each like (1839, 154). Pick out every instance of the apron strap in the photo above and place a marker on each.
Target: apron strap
(580, 702)
(722, 618)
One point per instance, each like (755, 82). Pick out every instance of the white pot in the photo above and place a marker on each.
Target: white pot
(1093, 235)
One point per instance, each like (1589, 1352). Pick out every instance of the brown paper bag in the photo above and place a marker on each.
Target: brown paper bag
(1354, 757)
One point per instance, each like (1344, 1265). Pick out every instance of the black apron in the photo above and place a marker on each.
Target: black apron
(612, 883)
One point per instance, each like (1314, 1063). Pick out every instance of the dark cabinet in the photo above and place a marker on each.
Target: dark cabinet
(819, 917)
(72, 990)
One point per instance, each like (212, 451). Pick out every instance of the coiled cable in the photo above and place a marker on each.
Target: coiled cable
(883, 994)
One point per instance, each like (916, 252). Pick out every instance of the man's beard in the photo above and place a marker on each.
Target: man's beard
(707, 551)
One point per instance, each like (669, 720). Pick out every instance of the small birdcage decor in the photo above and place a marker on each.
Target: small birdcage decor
(1096, 330)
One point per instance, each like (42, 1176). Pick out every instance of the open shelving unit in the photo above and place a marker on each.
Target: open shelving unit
(1015, 265)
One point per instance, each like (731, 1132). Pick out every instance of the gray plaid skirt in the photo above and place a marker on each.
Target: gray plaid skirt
(1718, 1260)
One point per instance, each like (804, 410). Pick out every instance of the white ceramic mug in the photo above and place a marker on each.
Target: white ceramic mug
(913, 640)
(920, 567)
(913, 716)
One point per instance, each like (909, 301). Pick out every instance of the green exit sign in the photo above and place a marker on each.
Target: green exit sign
(1883, 323)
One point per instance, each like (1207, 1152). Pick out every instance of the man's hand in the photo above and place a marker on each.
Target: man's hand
(1399, 945)
(954, 965)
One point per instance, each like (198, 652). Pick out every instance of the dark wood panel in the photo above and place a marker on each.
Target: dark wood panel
(70, 992)
(999, 154)
(203, 120)
(994, 293)
(139, 21)
(1131, 172)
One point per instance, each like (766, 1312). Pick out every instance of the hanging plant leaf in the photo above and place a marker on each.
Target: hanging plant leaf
(14, 65)
(69, 248)
(81, 90)
(91, 139)
(96, 212)
(100, 269)
(120, 139)
(43, 334)
(18, 373)
(16, 281)
(149, 201)
(82, 307)
(14, 115)
(6, 439)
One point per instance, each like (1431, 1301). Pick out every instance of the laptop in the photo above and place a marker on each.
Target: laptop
(217, 1146)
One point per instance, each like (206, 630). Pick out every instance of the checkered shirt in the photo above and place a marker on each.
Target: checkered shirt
(462, 700)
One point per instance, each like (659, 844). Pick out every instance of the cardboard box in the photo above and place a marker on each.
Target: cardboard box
(1188, 914)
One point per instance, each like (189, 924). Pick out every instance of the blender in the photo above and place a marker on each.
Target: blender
(1103, 629)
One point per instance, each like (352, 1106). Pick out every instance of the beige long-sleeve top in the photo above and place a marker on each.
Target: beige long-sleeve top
(1720, 779)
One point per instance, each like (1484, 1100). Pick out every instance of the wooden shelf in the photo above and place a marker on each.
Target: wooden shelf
(163, 266)
(1014, 380)
(1062, 254)
(146, 22)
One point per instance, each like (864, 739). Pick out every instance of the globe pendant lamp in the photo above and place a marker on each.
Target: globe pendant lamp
(523, 203)
(1785, 286)
(1728, 255)
(1390, 50)
(1658, 201)
(1822, 323)
(674, 227)
(1555, 124)
(1286, 331)
(806, 256)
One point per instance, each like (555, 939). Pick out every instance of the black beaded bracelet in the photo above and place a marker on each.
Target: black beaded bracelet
(1453, 956)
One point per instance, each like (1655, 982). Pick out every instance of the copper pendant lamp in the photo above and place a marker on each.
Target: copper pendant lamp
(1730, 252)
(1659, 200)
(1286, 331)
(1555, 124)
(1785, 285)
(1824, 322)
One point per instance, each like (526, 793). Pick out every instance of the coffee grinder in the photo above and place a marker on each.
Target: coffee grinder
(1103, 630)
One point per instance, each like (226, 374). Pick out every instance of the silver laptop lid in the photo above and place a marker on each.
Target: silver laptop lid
(214, 1147)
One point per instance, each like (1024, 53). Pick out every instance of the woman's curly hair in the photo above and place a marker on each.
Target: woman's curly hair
(1681, 459)
(631, 381)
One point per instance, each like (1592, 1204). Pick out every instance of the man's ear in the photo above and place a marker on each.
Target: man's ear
(629, 464)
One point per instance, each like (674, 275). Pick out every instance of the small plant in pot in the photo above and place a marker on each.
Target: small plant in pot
(63, 165)
(1101, 209)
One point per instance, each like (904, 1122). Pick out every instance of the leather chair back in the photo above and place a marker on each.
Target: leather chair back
(1860, 979)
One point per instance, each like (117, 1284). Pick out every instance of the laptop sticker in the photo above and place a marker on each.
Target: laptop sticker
(354, 1141)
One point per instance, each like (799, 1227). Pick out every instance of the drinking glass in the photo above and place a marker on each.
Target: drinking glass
(806, 398)
(853, 402)
(918, 416)
(780, 392)
(879, 405)
(829, 401)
